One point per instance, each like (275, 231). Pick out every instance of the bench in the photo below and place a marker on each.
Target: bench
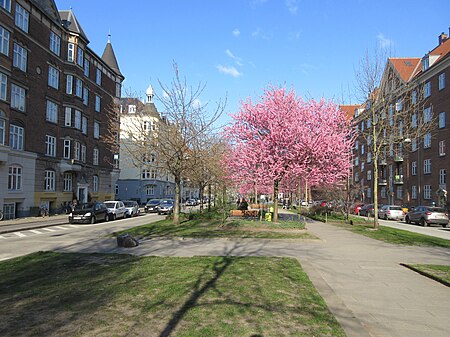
(251, 213)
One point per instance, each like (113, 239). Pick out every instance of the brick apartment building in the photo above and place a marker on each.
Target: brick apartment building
(415, 175)
(54, 96)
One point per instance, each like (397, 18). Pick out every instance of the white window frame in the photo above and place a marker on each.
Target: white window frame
(77, 151)
(442, 120)
(55, 43)
(97, 103)
(95, 183)
(22, 18)
(150, 189)
(77, 124)
(441, 81)
(18, 97)
(4, 40)
(427, 115)
(427, 166)
(53, 77)
(78, 87)
(427, 192)
(442, 176)
(427, 140)
(80, 57)
(70, 52)
(414, 168)
(427, 89)
(50, 146)
(69, 84)
(6, 4)
(95, 156)
(442, 148)
(67, 116)
(85, 95)
(2, 131)
(51, 114)
(68, 182)
(369, 175)
(16, 137)
(96, 130)
(414, 192)
(83, 153)
(49, 180)
(399, 192)
(20, 56)
(86, 67)
(15, 178)
(67, 149)
(3, 86)
(84, 125)
(414, 144)
(98, 76)
(145, 174)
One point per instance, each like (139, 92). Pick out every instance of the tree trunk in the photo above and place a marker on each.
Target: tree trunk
(176, 206)
(209, 197)
(200, 188)
(275, 200)
(375, 153)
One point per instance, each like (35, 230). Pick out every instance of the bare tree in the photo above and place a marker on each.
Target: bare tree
(392, 120)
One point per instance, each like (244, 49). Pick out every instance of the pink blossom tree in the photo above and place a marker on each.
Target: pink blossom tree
(281, 135)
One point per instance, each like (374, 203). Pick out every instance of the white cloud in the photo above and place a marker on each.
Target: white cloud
(230, 54)
(292, 6)
(259, 33)
(232, 71)
(236, 32)
(384, 42)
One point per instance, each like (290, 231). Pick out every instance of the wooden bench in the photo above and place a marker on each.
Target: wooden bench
(251, 213)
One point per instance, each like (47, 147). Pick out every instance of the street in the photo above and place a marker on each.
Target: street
(53, 237)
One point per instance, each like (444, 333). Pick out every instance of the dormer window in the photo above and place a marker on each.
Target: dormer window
(132, 109)
(425, 63)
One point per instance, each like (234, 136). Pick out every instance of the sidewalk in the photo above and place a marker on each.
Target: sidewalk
(19, 224)
(361, 279)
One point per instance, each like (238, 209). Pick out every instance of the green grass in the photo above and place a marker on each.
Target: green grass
(212, 227)
(436, 272)
(52, 294)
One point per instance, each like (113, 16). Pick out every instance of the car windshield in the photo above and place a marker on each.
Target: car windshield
(110, 204)
(167, 202)
(129, 203)
(153, 202)
(437, 209)
(85, 206)
(395, 208)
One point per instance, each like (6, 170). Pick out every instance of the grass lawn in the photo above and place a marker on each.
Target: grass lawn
(204, 227)
(56, 295)
(439, 273)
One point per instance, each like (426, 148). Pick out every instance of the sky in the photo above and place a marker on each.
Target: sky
(238, 48)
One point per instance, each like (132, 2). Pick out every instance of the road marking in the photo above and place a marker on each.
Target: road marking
(60, 227)
(19, 234)
(2, 237)
(73, 226)
(35, 231)
(48, 229)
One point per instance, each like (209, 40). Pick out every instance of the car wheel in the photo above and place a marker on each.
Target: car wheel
(445, 225)
(92, 219)
(423, 222)
(114, 217)
(385, 217)
(407, 220)
(106, 217)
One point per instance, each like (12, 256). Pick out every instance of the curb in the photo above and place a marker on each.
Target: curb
(424, 273)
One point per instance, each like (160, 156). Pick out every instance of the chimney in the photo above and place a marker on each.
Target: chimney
(442, 38)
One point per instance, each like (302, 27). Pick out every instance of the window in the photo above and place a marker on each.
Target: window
(441, 81)
(399, 192)
(69, 84)
(6, 4)
(85, 96)
(442, 148)
(3, 86)
(145, 174)
(68, 182)
(98, 77)
(442, 176)
(86, 68)
(95, 183)
(83, 153)
(55, 43)
(50, 146)
(356, 145)
(369, 192)
(399, 105)
(78, 87)
(414, 168)
(427, 141)
(362, 166)
(52, 112)
(427, 191)
(427, 115)
(391, 115)
(95, 156)
(356, 176)
(78, 119)
(369, 157)
(116, 189)
(70, 52)
(49, 182)
(414, 97)
(16, 137)
(22, 18)
(442, 120)
(14, 178)
(118, 90)
(427, 166)
(153, 174)
(20, 57)
(84, 125)
(66, 149)
(427, 90)
(150, 190)
(80, 57)
(77, 150)
(362, 149)
(17, 97)
(362, 126)
(413, 192)
(356, 161)
(4, 41)
(2, 131)
(414, 120)
(97, 103)
(53, 77)
(369, 175)
(383, 192)
(414, 144)
(96, 130)
(68, 116)
(131, 109)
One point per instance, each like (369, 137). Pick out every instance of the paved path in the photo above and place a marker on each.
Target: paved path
(360, 278)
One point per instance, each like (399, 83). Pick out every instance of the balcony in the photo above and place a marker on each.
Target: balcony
(382, 182)
(398, 179)
(382, 162)
(398, 158)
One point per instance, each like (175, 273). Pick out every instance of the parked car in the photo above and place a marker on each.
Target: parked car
(152, 206)
(427, 215)
(131, 208)
(391, 212)
(89, 213)
(191, 202)
(367, 210)
(116, 209)
(355, 208)
(166, 206)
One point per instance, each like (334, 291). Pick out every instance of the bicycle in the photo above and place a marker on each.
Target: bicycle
(43, 211)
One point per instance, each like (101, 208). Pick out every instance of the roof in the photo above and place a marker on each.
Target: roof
(49, 8)
(109, 57)
(406, 68)
(70, 22)
(349, 110)
(441, 51)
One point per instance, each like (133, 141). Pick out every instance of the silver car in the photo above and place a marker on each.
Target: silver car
(131, 208)
(427, 215)
(116, 209)
(391, 212)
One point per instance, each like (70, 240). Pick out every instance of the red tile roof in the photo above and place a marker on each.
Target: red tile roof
(349, 110)
(406, 68)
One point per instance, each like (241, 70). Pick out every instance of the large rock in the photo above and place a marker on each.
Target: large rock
(127, 241)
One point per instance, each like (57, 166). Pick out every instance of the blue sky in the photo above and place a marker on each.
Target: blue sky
(239, 47)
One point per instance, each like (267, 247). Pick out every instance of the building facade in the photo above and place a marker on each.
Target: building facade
(411, 172)
(141, 176)
(55, 94)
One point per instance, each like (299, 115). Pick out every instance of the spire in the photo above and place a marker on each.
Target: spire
(110, 57)
(150, 94)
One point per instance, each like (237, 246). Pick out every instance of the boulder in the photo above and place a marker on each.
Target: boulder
(127, 241)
